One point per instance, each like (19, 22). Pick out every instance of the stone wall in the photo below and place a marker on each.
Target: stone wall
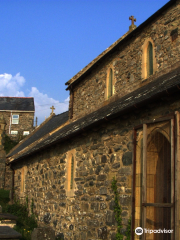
(101, 153)
(2, 153)
(126, 63)
(8, 177)
(26, 121)
(2, 167)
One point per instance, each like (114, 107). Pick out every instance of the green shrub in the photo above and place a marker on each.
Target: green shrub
(59, 238)
(4, 197)
(117, 210)
(9, 144)
(128, 231)
(25, 223)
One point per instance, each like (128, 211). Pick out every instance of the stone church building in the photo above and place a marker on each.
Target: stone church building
(123, 122)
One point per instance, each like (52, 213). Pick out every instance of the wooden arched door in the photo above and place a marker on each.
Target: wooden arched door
(154, 180)
(158, 184)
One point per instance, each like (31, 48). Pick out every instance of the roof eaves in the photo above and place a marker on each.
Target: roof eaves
(39, 140)
(147, 93)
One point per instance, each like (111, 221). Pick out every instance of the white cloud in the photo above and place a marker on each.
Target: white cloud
(12, 87)
(67, 100)
(43, 104)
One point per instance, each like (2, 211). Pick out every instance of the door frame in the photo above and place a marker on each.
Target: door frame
(175, 169)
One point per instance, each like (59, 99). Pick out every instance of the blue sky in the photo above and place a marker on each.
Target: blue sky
(44, 43)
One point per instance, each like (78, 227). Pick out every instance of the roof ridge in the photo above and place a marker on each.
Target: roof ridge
(14, 97)
(125, 37)
(61, 113)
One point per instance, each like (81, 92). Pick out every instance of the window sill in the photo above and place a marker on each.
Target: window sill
(110, 99)
(70, 193)
(22, 194)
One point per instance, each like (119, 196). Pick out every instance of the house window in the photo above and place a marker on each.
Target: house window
(15, 119)
(153, 189)
(110, 84)
(14, 132)
(25, 133)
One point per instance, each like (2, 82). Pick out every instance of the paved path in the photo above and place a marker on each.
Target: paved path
(8, 216)
(8, 233)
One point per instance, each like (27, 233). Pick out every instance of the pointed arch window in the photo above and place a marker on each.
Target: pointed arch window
(149, 66)
(22, 180)
(72, 172)
(110, 82)
(110, 85)
(70, 183)
(22, 183)
(149, 59)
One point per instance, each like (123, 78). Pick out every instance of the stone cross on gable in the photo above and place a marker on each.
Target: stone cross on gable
(53, 108)
(133, 26)
(132, 20)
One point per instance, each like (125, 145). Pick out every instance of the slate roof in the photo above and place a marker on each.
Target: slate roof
(17, 103)
(49, 126)
(87, 69)
(163, 85)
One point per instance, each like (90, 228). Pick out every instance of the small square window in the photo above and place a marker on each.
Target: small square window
(14, 132)
(174, 34)
(15, 119)
(25, 133)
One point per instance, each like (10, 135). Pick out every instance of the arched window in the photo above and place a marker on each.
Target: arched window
(149, 65)
(72, 172)
(110, 84)
(22, 184)
(70, 183)
(149, 59)
(22, 180)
